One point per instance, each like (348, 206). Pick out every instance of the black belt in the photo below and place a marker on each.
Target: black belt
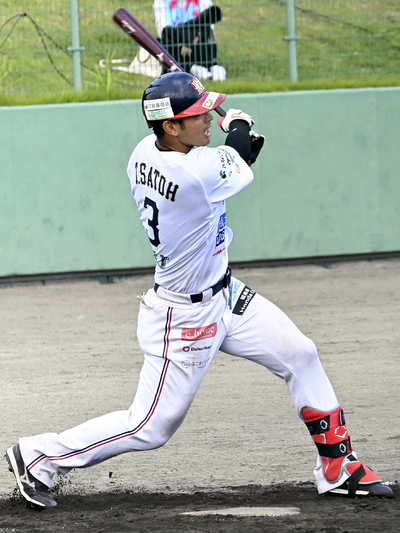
(221, 284)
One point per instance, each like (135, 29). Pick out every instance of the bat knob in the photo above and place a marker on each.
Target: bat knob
(220, 121)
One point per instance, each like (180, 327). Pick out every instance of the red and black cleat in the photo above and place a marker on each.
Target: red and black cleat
(330, 434)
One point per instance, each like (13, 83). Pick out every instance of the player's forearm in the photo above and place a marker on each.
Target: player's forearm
(239, 138)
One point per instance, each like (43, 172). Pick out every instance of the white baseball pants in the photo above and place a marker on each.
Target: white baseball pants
(180, 339)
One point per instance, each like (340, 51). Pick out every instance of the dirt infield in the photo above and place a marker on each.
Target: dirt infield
(69, 352)
(127, 512)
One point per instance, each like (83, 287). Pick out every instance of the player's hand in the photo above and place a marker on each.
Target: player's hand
(234, 114)
(257, 142)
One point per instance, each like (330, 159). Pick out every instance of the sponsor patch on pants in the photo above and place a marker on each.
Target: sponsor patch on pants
(197, 334)
(243, 301)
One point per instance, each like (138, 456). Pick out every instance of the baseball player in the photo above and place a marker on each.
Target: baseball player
(196, 306)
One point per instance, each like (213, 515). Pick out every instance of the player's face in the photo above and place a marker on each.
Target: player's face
(195, 131)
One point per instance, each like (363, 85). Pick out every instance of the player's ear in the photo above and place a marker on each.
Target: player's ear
(171, 127)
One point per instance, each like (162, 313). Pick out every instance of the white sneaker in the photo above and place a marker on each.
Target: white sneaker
(218, 73)
(200, 72)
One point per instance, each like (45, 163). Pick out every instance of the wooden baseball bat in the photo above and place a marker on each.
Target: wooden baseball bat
(146, 40)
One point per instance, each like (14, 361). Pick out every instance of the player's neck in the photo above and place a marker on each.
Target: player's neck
(172, 145)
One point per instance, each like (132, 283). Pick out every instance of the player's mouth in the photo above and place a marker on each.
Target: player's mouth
(207, 133)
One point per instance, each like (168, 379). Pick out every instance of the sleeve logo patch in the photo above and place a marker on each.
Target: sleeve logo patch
(158, 109)
(227, 159)
(221, 230)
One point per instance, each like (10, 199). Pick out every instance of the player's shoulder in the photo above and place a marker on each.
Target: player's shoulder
(223, 159)
(208, 154)
(202, 160)
(221, 152)
(201, 152)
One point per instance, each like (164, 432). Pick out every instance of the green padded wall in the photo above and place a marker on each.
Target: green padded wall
(326, 183)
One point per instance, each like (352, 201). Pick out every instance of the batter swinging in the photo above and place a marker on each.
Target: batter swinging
(196, 307)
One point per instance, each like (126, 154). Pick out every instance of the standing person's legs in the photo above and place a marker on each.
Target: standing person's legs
(263, 333)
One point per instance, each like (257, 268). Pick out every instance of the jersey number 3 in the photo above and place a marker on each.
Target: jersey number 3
(153, 222)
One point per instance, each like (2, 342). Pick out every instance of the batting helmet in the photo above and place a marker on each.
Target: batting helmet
(177, 95)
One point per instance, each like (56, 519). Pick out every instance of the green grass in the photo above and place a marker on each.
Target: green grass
(343, 43)
(229, 87)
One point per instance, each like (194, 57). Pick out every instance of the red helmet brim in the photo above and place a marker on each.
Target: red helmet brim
(208, 101)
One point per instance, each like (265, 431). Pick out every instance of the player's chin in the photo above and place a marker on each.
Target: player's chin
(203, 139)
(202, 142)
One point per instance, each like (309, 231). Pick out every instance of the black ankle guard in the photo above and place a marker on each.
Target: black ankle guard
(319, 426)
(316, 427)
(339, 449)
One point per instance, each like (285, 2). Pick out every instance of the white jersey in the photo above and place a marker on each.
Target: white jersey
(181, 200)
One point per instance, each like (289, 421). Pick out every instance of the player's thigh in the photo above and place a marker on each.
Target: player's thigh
(164, 394)
(266, 335)
(180, 343)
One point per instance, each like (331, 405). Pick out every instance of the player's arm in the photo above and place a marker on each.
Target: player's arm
(238, 138)
(221, 171)
(246, 142)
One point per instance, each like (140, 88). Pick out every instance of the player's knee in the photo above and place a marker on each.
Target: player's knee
(152, 439)
(307, 352)
(147, 442)
(159, 440)
(300, 350)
